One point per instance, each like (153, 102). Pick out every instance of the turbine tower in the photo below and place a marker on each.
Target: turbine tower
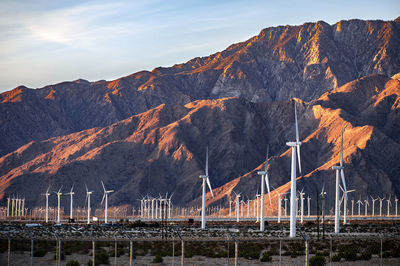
(339, 169)
(203, 201)
(71, 193)
(47, 194)
(295, 147)
(301, 193)
(105, 196)
(58, 204)
(373, 205)
(388, 205)
(264, 176)
(88, 193)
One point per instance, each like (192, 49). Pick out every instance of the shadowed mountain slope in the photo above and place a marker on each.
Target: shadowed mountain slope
(278, 64)
(163, 149)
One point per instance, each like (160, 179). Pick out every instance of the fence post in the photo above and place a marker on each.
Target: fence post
(330, 250)
(130, 247)
(381, 249)
(115, 252)
(280, 251)
(306, 238)
(236, 246)
(9, 250)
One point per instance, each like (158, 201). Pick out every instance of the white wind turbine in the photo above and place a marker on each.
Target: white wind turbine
(58, 203)
(88, 193)
(373, 205)
(295, 147)
(203, 201)
(302, 205)
(105, 196)
(264, 176)
(47, 194)
(343, 199)
(237, 206)
(380, 205)
(337, 198)
(71, 193)
(388, 204)
(366, 204)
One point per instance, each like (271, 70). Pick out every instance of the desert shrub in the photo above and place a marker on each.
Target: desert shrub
(158, 259)
(350, 255)
(39, 252)
(336, 258)
(365, 256)
(317, 260)
(101, 257)
(265, 257)
(72, 263)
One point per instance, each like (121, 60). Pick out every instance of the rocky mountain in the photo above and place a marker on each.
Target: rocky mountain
(163, 149)
(278, 64)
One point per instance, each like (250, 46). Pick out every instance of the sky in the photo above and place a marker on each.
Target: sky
(44, 42)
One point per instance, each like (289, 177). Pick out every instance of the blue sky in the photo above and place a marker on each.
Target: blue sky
(45, 41)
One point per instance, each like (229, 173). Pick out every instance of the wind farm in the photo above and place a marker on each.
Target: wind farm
(280, 149)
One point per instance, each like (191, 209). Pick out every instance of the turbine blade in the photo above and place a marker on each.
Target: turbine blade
(269, 192)
(72, 188)
(104, 196)
(103, 185)
(207, 161)
(60, 189)
(341, 150)
(209, 186)
(298, 157)
(295, 120)
(87, 195)
(47, 191)
(266, 160)
(343, 181)
(86, 189)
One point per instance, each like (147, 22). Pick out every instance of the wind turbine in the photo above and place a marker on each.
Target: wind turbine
(105, 196)
(396, 200)
(264, 176)
(58, 203)
(373, 205)
(47, 194)
(203, 201)
(88, 193)
(366, 204)
(388, 204)
(71, 193)
(339, 169)
(380, 205)
(237, 206)
(295, 147)
(323, 195)
(359, 202)
(345, 204)
(301, 205)
(308, 202)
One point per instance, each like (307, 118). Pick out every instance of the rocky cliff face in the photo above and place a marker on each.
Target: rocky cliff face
(163, 149)
(280, 63)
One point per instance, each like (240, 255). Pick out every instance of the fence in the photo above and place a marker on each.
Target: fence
(195, 247)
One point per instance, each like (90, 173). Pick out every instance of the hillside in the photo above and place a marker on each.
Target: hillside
(278, 64)
(163, 149)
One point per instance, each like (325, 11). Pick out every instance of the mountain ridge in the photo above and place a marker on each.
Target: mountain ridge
(278, 64)
(166, 146)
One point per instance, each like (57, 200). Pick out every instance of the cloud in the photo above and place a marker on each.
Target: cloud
(77, 26)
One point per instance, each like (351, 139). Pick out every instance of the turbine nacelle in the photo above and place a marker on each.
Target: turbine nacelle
(293, 143)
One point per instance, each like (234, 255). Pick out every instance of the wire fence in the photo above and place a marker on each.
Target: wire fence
(232, 249)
